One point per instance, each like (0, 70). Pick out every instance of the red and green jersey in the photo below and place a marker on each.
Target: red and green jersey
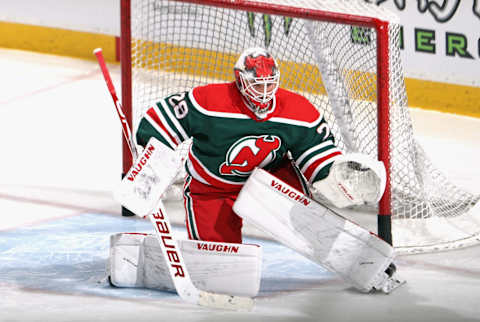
(229, 141)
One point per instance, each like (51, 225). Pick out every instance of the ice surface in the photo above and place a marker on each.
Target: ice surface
(61, 158)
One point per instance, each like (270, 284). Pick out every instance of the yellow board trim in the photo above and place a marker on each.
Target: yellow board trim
(56, 41)
(451, 98)
(443, 97)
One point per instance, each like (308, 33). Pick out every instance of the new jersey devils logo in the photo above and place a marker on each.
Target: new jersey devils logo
(250, 152)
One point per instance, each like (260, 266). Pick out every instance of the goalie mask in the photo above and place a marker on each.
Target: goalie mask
(257, 78)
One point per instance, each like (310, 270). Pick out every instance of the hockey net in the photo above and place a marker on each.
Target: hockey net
(344, 56)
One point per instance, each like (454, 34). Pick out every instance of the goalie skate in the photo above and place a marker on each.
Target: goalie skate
(392, 282)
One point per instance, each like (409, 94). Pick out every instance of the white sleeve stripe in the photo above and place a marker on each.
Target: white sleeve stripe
(160, 131)
(323, 165)
(313, 149)
(296, 122)
(172, 118)
(319, 156)
(167, 126)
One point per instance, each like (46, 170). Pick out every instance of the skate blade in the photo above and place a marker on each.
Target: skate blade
(392, 284)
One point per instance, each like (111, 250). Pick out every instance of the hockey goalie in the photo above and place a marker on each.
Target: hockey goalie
(256, 149)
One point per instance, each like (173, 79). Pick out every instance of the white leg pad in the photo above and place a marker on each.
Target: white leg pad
(315, 231)
(126, 261)
(225, 268)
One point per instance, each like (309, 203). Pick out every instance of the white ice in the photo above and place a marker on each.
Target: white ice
(60, 159)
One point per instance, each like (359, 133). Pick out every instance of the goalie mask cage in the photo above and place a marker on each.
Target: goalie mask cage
(344, 56)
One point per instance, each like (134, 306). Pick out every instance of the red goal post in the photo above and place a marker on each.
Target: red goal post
(356, 82)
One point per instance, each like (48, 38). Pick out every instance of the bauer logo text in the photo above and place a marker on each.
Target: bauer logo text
(167, 242)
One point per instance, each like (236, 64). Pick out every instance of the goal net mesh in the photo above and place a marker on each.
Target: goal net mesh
(179, 45)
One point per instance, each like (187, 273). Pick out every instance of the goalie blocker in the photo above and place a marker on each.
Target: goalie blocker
(361, 258)
(151, 174)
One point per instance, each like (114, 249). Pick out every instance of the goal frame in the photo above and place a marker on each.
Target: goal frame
(384, 227)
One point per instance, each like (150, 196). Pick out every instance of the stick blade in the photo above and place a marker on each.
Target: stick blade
(228, 302)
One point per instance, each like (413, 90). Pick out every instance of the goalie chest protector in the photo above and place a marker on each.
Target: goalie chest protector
(229, 140)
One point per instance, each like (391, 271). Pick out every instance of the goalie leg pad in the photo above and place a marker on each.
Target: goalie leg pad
(126, 261)
(315, 231)
(226, 268)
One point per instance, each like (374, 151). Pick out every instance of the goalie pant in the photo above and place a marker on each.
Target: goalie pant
(209, 210)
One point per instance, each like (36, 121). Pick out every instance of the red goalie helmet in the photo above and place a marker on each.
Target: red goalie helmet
(257, 78)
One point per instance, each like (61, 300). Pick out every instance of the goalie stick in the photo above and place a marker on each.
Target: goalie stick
(161, 224)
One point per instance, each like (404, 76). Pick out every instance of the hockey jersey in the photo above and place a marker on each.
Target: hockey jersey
(229, 141)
